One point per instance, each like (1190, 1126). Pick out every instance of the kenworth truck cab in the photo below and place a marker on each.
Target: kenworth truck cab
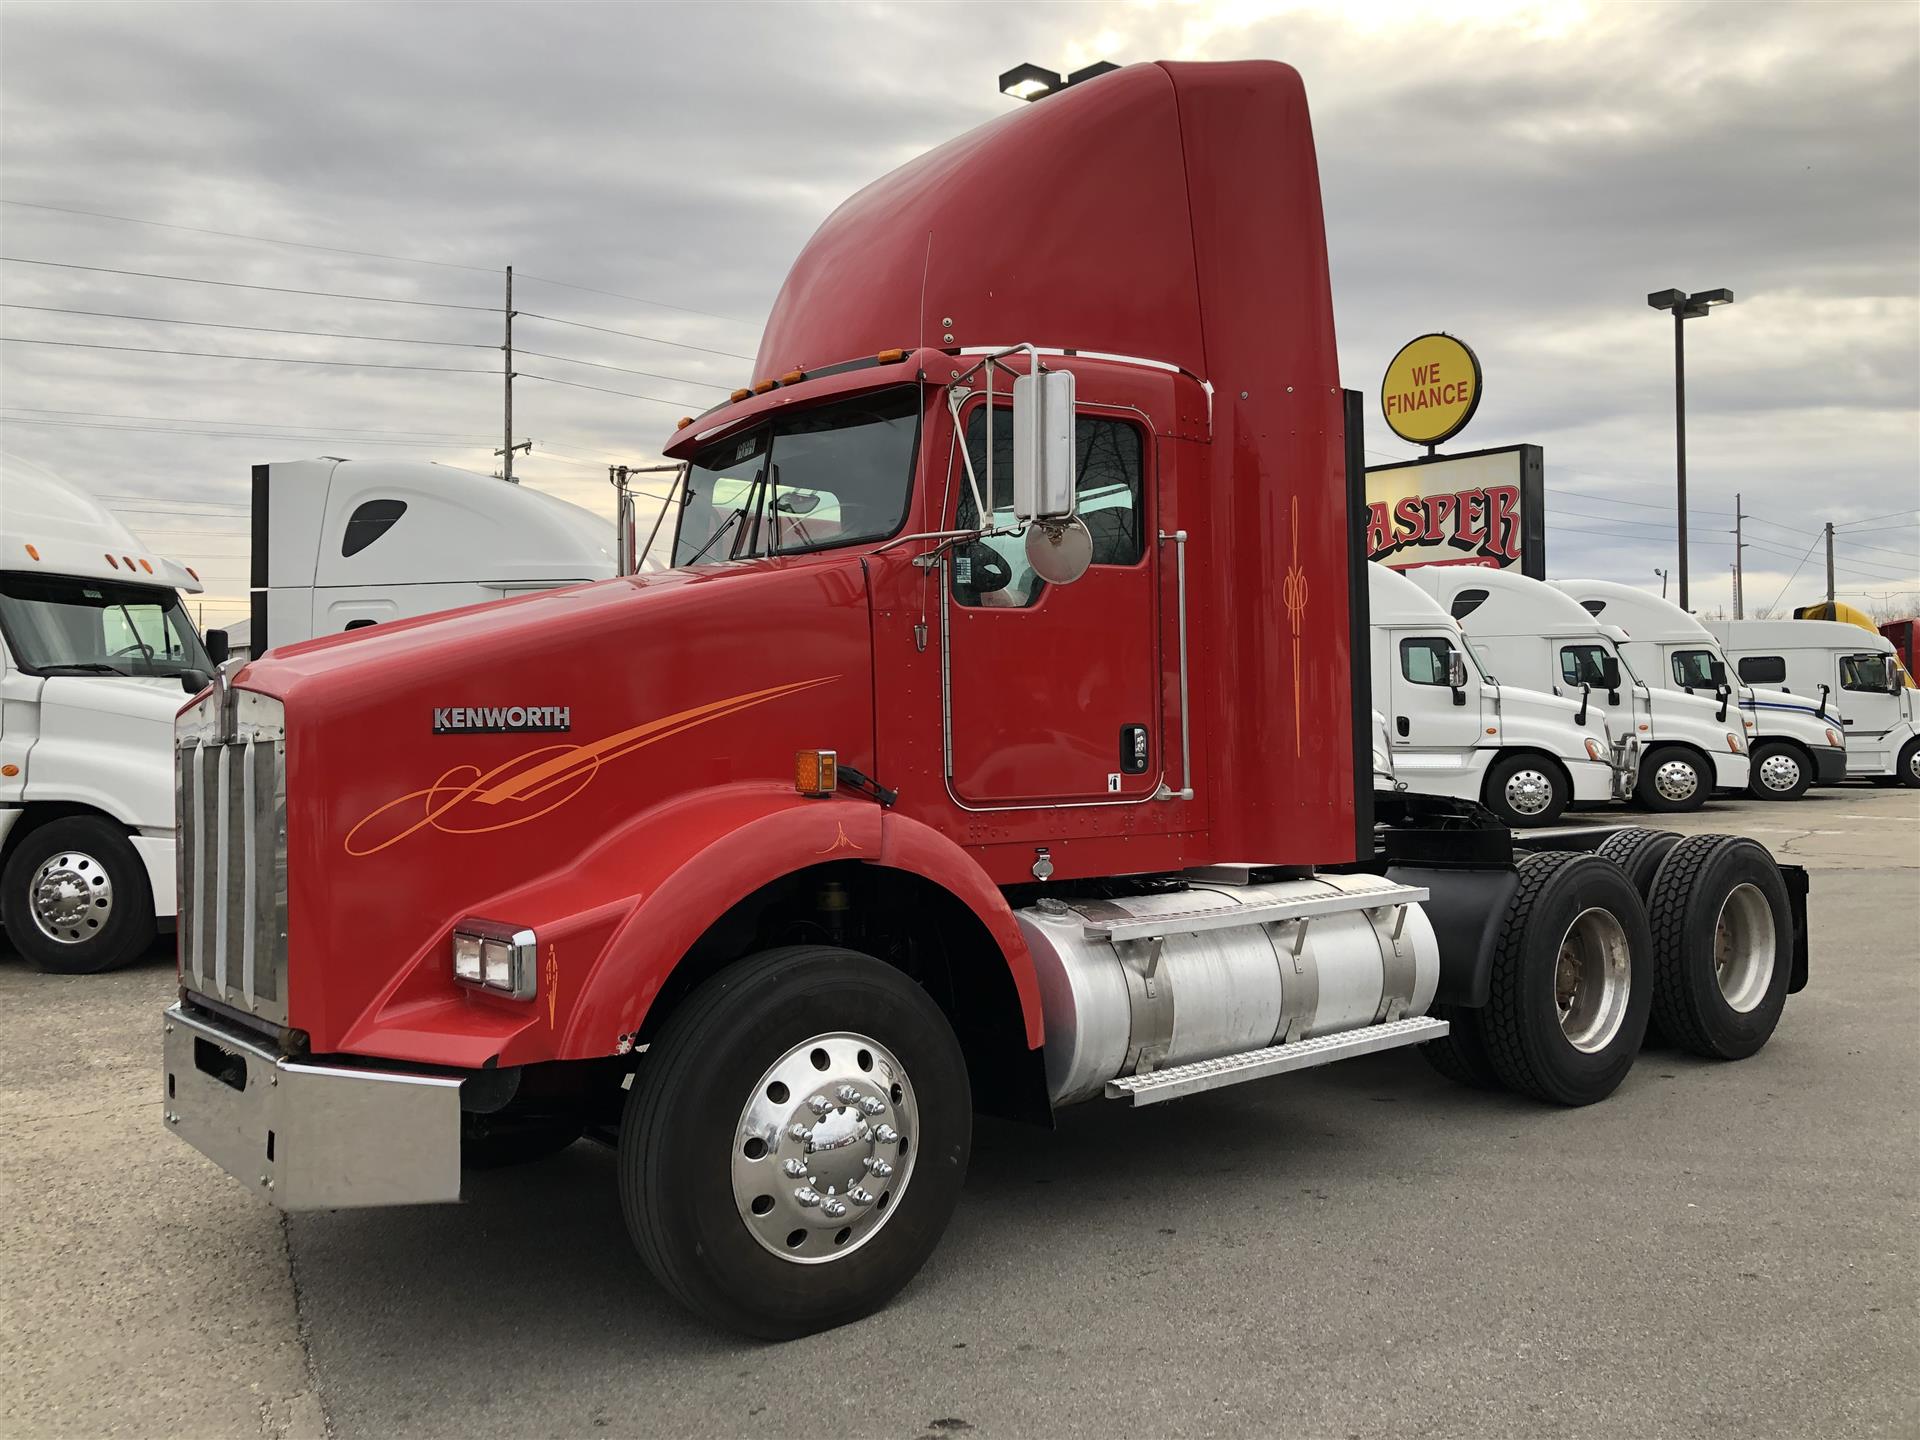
(1529, 631)
(1458, 730)
(1791, 743)
(1041, 775)
(94, 644)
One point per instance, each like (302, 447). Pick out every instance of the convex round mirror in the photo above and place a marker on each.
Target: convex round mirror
(1059, 550)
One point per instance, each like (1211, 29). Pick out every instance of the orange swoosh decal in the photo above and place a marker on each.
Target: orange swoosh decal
(519, 782)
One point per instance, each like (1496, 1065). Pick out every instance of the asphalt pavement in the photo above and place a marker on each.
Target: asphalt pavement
(1356, 1251)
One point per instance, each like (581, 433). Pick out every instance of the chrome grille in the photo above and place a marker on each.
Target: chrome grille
(230, 789)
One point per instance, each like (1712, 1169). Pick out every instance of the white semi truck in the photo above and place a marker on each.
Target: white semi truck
(1530, 631)
(1454, 730)
(1791, 743)
(343, 544)
(97, 647)
(1850, 675)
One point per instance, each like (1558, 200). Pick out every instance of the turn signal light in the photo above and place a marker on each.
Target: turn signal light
(1595, 750)
(1832, 739)
(816, 772)
(496, 957)
(32, 553)
(1733, 743)
(891, 357)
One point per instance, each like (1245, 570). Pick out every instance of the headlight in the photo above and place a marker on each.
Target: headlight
(1733, 743)
(1595, 750)
(1832, 739)
(497, 957)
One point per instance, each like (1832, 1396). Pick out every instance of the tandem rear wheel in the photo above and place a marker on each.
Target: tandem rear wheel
(796, 1142)
(1722, 930)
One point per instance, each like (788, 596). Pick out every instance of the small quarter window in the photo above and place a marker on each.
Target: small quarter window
(368, 523)
(1764, 669)
(1466, 602)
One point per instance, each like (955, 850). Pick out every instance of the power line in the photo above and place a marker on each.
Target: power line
(271, 359)
(231, 434)
(629, 334)
(624, 370)
(364, 255)
(1790, 579)
(250, 424)
(137, 501)
(259, 329)
(575, 384)
(1640, 504)
(1862, 545)
(1871, 519)
(237, 285)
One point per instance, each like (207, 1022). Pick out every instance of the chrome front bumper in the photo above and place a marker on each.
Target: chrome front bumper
(309, 1136)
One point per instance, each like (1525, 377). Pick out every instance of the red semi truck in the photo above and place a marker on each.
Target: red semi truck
(1000, 740)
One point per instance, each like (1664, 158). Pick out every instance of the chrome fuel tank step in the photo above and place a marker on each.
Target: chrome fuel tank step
(1180, 1080)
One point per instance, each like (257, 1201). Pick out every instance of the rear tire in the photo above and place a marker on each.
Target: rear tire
(1639, 852)
(1723, 946)
(1569, 994)
(1673, 780)
(1526, 790)
(75, 897)
(1780, 771)
(1461, 1055)
(720, 1116)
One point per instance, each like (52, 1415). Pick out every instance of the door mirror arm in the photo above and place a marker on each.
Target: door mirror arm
(1586, 695)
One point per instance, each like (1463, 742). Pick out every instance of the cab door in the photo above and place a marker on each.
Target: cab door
(1869, 708)
(1052, 691)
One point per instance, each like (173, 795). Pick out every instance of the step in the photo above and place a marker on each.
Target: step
(1371, 894)
(1178, 1080)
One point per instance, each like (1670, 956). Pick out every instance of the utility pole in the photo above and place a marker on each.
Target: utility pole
(506, 454)
(1830, 562)
(1739, 556)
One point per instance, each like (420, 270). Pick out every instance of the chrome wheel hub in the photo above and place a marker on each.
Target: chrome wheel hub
(1590, 980)
(1743, 947)
(1529, 792)
(824, 1148)
(1676, 780)
(1913, 765)
(71, 897)
(1780, 772)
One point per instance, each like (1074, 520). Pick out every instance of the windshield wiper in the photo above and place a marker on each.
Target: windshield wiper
(714, 539)
(81, 667)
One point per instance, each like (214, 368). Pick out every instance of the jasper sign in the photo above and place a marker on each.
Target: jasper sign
(1481, 508)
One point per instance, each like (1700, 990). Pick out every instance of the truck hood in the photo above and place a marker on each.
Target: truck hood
(140, 703)
(1517, 703)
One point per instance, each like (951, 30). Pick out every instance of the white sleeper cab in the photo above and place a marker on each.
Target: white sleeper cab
(99, 655)
(1851, 675)
(1454, 730)
(1791, 742)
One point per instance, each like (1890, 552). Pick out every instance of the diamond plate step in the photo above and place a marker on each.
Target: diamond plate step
(1357, 892)
(1178, 1080)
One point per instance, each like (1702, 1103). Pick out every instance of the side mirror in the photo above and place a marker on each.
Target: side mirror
(1610, 673)
(1894, 683)
(1825, 690)
(1456, 670)
(1718, 670)
(1043, 414)
(218, 647)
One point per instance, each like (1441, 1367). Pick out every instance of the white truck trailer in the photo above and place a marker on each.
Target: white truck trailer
(343, 544)
(1850, 675)
(97, 647)
(1527, 630)
(1791, 743)
(1454, 730)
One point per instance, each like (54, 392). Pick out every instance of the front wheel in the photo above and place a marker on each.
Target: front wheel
(1526, 790)
(1673, 780)
(1780, 772)
(75, 898)
(795, 1145)
(1908, 772)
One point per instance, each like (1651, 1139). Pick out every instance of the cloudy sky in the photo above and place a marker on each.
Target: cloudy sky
(1518, 174)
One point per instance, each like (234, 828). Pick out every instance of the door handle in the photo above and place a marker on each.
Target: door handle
(1400, 724)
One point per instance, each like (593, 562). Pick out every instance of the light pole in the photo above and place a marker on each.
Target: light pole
(1663, 581)
(1685, 307)
(1036, 82)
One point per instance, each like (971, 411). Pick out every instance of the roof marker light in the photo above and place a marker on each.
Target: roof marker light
(793, 377)
(739, 395)
(761, 387)
(145, 566)
(685, 420)
(193, 572)
(113, 562)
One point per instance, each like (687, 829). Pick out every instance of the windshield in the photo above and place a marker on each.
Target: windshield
(1693, 669)
(807, 480)
(60, 626)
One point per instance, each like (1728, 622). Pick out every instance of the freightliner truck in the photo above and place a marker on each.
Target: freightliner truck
(1000, 740)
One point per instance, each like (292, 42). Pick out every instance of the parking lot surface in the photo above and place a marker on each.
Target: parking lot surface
(1359, 1250)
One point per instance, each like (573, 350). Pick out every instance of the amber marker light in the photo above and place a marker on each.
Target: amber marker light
(760, 387)
(816, 772)
(9, 770)
(739, 395)
(793, 377)
(111, 561)
(32, 553)
(685, 420)
(145, 566)
(891, 357)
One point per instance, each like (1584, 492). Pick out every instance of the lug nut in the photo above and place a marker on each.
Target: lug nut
(807, 1196)
(798, 1131)
(820, 1105)
(860, 1195)
(879, 1168)
(848, 1095)
(885, 1135)
(872, 1106)
(834, 1209)
(795, 1168)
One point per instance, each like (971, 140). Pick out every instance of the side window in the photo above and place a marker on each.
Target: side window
(1109, 458)
(1581, 665)
(1764, 669)
(368, 523)
(1425, 661)
(1693, 669)
(1863, 672)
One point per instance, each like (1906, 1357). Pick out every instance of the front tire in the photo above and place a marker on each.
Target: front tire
(1526, 790)
(1570, 989)
(1723, 946)
(739, 1207)
(1780, 772)
(1907, 773)
(75, 898)
(1673, 780)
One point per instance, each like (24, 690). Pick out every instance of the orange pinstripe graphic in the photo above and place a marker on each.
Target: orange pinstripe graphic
(1293, 593)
